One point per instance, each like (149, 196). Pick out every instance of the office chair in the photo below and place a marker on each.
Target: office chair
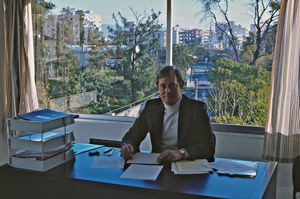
(296, 177)
(106, 142)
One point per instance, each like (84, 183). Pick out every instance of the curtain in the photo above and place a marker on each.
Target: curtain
(282, 131)
(17, 86)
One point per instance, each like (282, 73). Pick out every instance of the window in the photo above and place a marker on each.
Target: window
(90, 58)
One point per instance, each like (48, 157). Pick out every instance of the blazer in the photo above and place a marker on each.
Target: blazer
(194, 130)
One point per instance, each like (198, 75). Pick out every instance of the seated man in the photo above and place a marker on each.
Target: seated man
(179, 127)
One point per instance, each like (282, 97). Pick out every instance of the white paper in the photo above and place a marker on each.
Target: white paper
(108, 162)
(142, 172)
(190, 167)
(234, 167)
(144, 158)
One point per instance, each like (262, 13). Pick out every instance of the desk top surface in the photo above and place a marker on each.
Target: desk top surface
(211, 185)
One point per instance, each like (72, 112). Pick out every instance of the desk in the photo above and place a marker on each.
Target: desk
(77, 180)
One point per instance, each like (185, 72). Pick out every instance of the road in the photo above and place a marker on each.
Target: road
(198, 82)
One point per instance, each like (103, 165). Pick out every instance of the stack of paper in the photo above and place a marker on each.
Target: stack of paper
(190, 167)
(234, 167)
(143, 166)
(144, 158)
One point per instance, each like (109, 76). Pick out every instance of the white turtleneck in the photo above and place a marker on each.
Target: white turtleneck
(170, 126)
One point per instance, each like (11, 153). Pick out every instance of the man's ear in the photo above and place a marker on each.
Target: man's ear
(181, 84)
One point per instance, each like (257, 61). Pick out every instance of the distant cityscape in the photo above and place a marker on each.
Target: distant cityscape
(69, 33)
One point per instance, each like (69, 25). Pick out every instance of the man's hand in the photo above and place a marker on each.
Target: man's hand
(169, 156)
(127, 151)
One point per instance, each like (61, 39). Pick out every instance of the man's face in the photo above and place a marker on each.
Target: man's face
(169, 89)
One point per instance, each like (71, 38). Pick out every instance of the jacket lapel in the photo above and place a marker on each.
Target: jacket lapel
(183, 120)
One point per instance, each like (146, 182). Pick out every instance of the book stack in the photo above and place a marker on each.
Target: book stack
(40, 146)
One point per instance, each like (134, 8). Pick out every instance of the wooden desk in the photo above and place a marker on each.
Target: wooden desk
(77, 180)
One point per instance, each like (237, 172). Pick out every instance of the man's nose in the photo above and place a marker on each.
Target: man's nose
(168, 90)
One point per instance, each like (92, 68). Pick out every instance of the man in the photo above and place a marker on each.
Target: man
(179, 127)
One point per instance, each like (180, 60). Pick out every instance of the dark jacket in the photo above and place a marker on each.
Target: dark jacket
(194, 130)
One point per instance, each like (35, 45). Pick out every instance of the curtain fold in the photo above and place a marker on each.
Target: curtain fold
(282, 131)
(17, 73)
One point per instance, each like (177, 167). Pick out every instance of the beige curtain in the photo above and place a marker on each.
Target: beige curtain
(282, 136)
(17, 86)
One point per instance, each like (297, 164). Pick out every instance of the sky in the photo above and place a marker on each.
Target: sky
(186, 13)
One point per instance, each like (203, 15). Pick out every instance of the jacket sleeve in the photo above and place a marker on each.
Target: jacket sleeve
(138, 131)
(201, 141)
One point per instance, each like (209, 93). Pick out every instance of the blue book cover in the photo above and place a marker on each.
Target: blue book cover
(43, 115)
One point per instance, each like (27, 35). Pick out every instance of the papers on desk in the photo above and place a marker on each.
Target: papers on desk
(81, 147)
(190, 167)
(144, 158)
(142, 172)
(234, 167)
(143, 166)
(108, 162)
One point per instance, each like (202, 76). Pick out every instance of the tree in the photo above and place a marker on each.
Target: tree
(183, 56)
(138, 45)
(67, 81)
(265, 13)
(211, 9)
(240, 91)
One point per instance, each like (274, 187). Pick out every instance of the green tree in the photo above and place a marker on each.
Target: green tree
(240, 91)
(138, 45)
(183, 56)
(68, 74)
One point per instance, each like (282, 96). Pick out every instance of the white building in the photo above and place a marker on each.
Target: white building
(92, 20)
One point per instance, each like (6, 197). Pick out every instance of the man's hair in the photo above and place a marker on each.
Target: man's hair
(167, 71)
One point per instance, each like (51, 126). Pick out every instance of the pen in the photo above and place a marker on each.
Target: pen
(108, 150)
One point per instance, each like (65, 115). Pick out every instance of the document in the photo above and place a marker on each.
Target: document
(142, 172)
(81, 147)
(234, 167)
(144, 158)
(108, 162)
(190, 167)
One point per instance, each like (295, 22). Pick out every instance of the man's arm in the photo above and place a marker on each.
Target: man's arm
(137, 132)
(200, 141)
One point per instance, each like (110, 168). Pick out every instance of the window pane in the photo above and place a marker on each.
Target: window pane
(97, 56)
(228, 59)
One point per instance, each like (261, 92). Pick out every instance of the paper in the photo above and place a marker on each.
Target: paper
(142, 172)
(234, 167)
(144, 158)
(190, 167)
(80, 147)
(108, 162)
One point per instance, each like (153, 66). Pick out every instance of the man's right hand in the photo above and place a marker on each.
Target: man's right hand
(127, 151)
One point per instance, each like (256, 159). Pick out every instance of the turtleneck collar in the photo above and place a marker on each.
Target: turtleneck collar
(174, 106)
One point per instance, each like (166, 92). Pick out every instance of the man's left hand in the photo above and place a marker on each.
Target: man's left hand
(169, 156)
